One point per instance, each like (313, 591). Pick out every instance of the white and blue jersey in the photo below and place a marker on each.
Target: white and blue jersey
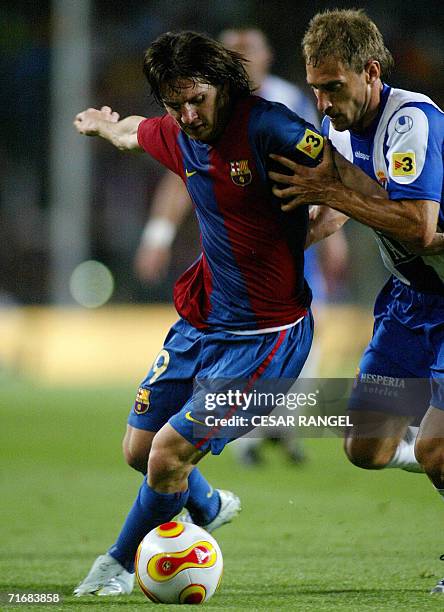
(403, 151)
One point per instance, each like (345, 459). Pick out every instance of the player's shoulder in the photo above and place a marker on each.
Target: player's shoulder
(401, 97)
(160, 123)
(406, 108)
(168, 123)
(409, 137)
(275, 128)
(267, 114)
(273, 120)
(158, 137)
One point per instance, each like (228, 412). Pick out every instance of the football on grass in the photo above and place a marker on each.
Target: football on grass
(179, 563)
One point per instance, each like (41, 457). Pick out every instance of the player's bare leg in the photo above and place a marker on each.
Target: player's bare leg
(171, 460)
(136, 447)
(430, 452)
(378, 440)
(430, 446)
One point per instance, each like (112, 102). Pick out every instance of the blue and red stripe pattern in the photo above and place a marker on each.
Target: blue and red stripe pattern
(250, 273)
(248, 387)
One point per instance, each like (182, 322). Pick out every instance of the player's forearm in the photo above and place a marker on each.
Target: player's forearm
(356, 179)
(122, 134)
(413, 222)
(171, 204)
(356, 197)
(402, 220)
(171, 199)
(436, 246)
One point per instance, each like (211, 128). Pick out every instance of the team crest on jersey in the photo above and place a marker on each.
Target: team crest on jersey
(142, 402)
(311, 144)
(382, 179)
(404, 164)
(403, 124)
(240, 172)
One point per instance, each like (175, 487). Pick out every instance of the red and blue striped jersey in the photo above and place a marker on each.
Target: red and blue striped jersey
(250, 273)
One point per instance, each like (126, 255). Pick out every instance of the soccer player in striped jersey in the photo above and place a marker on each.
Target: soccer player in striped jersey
(244, 305)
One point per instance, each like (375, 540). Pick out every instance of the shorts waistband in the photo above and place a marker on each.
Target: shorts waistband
(267, 330)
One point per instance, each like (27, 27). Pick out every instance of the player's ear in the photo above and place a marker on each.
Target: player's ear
(372, 71)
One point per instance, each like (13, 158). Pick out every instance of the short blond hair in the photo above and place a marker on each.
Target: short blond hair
(349, 36)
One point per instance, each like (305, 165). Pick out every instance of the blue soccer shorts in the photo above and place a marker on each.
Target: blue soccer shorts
(166, 394)
(402, 370)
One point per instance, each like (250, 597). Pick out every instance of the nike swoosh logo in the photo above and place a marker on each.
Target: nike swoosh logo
(192, 419)
(210, 492)
(190, 173)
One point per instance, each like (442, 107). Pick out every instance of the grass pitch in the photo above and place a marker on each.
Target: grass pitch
(323, 537)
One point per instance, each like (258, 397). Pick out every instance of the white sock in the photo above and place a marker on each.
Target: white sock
(404, 457)
(241, 446)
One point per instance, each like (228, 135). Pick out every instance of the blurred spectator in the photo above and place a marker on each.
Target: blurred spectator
(24, 62)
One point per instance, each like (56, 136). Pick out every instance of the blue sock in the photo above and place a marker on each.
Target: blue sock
(203, 502)
(149, 510)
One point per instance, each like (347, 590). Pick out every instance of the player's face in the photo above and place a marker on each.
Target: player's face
(343, 95)
(200, 109)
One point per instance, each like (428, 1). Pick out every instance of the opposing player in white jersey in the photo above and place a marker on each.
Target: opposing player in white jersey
(397, 138)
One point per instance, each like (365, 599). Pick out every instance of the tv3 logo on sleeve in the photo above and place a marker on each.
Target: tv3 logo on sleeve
(404, 164)
(311, 144)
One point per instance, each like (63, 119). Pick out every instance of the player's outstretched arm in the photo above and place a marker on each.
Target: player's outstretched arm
(411, 221)
(107, 124)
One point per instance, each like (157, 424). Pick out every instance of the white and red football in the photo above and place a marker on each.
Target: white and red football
(179, 563)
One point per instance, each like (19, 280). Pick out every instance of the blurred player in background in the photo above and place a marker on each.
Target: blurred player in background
(325, 264)
(397, 138)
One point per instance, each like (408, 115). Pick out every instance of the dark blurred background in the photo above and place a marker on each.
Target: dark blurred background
(43, 233)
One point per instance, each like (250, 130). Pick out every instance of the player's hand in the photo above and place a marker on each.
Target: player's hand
(87, 122)
(151, 263)
(305, 185)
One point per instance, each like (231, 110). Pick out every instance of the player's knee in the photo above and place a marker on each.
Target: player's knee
(136, 462)
(164, 466)
(430, 454)
(368, 454)
(135, 456)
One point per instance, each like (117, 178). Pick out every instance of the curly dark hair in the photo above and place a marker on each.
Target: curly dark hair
(190, 55)
(349, 36)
